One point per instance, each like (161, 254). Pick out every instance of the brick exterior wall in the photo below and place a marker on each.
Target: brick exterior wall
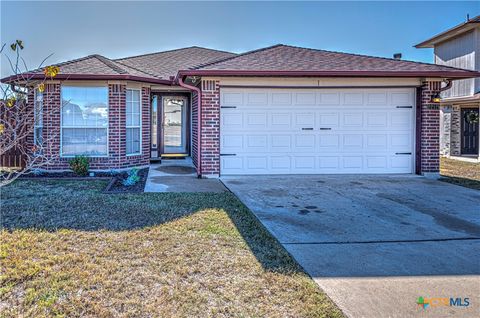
(210, 128)
(194, 148)
(428, 121)
(117, 158)
(429, 129)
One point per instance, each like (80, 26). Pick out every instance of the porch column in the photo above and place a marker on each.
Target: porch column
(429, 130)
(210, 129)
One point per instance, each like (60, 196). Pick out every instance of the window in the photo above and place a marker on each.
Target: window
(133, 122)
(38, 119)
(84, 121)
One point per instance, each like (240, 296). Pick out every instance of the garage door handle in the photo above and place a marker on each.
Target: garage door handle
(404, 106)
(325, 128)
(403, 153)
(307, 128)
(228, 154)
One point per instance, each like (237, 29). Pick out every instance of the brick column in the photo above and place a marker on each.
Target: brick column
(52, 105)
(210, 129)
(429, 130)
(116, 124)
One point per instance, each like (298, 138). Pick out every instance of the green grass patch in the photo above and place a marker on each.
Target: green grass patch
(68, 249)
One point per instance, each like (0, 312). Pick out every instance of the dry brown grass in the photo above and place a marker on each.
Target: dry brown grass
(462, 173)
(69, 250)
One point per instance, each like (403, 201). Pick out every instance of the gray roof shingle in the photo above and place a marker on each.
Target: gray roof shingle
(165, 64)
(290, 58)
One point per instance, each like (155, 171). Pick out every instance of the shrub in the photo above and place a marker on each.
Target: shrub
(132, 178)
(79, 165)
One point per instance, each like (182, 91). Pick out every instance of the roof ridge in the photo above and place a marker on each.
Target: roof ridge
(235, 56)
(64, 62)
(137, 69)
(110, 64)
(172, 50)
(371, 56)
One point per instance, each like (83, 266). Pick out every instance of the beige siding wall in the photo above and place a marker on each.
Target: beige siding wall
(459, 52)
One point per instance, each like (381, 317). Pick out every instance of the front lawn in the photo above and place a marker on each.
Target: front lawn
(462, 173)
(70, 250)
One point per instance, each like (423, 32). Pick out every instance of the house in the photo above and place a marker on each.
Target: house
(276, 110)
(459, 124)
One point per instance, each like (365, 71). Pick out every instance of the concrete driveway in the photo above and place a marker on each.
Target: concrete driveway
(375, 244)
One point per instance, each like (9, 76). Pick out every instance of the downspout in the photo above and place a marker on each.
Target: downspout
(449, 85)
(199, 122)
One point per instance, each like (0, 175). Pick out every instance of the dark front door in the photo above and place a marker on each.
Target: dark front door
(469, 127)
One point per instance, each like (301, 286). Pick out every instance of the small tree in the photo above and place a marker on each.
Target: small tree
(20, 119)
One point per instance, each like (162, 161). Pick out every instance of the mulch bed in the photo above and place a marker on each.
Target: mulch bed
(116, 185)
(65, 175)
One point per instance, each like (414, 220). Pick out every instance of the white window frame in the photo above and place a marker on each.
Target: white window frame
(35, 117)
(87, 127)
(139, 153)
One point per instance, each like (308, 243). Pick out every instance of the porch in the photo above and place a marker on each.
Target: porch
(179, 175)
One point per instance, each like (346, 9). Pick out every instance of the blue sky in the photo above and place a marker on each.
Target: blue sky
(117, 29)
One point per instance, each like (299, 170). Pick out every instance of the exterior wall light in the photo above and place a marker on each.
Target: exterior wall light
(435, 98)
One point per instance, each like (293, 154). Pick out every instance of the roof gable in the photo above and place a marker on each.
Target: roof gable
(450, 33)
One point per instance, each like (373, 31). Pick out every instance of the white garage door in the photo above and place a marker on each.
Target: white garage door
(296, 131)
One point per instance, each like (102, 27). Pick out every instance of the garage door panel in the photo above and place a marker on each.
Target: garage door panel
(401, 99)
(232, 120)
(375, 142)
(324, 131)
(281, 143)
(282, 99)
(280, 164)
(353, 98)
(353, 120)
(305, 99)
(329, 120)
(305, 120)
(256, 121)
(232, 99)
(256, 142)
(282, 121)
(352, 142)
(326, 163)
(377, 98)
(328, 98)
(329, 141)
(377, 120)
(304, 163)
(304, 142)
(376, 162)
(353, 162)
(231, 143)
(256, 98)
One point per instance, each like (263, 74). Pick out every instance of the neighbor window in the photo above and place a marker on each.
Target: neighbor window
(38, 118)
(84, 121)
(133, 124)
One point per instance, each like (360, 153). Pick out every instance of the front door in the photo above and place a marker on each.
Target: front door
(470, 131)
(174, 125)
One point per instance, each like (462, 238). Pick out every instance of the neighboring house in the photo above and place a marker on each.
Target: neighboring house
(276, 110)
(459, 47)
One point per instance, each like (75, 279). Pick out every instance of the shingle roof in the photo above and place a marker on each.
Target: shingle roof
(168, 63)
(96, 65)
(290, 58)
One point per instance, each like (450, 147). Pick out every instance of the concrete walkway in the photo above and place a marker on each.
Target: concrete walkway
(178, 175)
(375, 244)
